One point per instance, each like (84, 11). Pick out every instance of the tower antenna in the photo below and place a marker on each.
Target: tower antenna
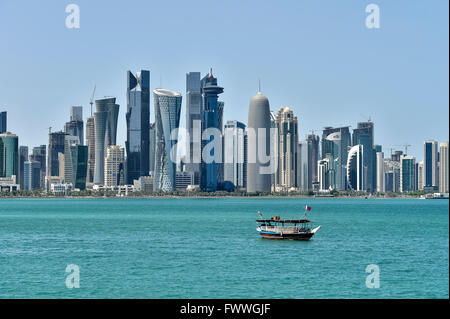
(259, 85)
(91, 102)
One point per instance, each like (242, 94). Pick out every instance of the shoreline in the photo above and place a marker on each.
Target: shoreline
(213, 197)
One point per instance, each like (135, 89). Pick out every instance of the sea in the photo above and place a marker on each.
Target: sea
(209, 248)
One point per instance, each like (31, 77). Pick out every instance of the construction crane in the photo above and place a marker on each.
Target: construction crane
(406, 145)
(92, 98)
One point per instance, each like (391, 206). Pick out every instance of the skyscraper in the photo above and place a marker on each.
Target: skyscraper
(75, 126)
(79, 157)
(39, 154)
(152, 136)
(364, 135)
(55, 146)
(32, 175)
(259, 171)
(273, 145)
(302, 166)
(3, 122)
(392, 175)
(335, 141)
(105, 133)
(313, 157)
(76, 113)
(355, 168)
(443, 168)
(9, 155)
(220, 165)
(287, 125)
(323, 173)
(167, 118)
(407, 173)
(380, 173)
(114, 166)
(90, 143)
(194, 116)
(138, 121)
(210, 121)
(69, 142)
(235, 166)
(431, 177)
(420, 173)
(23, 157)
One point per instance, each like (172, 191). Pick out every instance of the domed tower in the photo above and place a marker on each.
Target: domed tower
(258, 171)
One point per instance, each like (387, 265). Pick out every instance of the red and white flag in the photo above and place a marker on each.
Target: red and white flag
(260, 215)
(308, 208)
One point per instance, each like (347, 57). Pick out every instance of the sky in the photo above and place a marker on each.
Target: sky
(317, 57)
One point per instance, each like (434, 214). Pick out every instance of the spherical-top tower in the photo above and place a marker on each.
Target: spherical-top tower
(258, 176)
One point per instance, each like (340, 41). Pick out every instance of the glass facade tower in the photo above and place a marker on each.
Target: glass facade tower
(211, 120)
(138, 124)
(32, 175)
(167, 118)
(3, 122)
(23, 157)
(105, 133)
(55, 146)
(235, 157)
(336, 141)
(194, 116)
(431, 172)
(79, 161)
(407, 173)
(39, 155)
(9, 155)
(313, 158)
(75, 126)
(364, 135)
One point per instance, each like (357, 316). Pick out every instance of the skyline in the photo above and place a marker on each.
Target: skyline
(406, 61)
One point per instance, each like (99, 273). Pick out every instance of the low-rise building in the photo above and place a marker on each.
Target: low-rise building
(9, 184)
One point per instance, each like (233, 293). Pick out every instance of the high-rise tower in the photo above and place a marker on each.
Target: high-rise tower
(335, 141)
(167, 118)
(75, 126)
(90, 143)
(430, 159)
(105, 133)
(355, 168)
(138, 125)
(258, 169)
(55, 146)
(194, 115)
(313, 157)
(287, 126)
(3, 122)
(235, 157)
(443, 168)
(211, 120)
(364, 135)
(9, 155)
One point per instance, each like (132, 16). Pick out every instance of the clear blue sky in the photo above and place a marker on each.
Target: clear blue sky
(315, 56)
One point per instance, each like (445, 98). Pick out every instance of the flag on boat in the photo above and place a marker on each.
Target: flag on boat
(308, 208)
(260, 215)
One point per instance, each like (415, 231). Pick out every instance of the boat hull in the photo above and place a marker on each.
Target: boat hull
(298, 236)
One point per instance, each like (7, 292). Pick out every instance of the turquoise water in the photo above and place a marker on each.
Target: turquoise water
(208, 248)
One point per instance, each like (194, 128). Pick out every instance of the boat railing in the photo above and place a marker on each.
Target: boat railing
(285, 229)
